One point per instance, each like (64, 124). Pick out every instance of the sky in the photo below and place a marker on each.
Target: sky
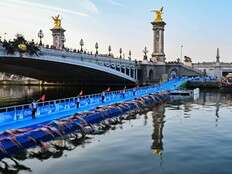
(201, 26)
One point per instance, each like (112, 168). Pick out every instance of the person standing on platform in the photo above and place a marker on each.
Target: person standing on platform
(124, 92)
(134, 91)
(34, 109)
(34, 105)
(89, 100)
(103, 96)
(78, 98)
(78, 102)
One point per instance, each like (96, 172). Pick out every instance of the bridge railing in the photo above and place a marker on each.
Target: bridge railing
(84, 55)
(75, 55)
(192, 69)
(25, 106)
(130, 70)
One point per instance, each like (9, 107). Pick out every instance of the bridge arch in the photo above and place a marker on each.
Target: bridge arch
(63, 69)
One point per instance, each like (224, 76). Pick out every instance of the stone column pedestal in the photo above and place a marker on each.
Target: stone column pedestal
(58, 38)
(158, 55)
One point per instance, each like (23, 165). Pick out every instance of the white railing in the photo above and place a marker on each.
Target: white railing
(85, 56)
(140, 90)
(60, 101)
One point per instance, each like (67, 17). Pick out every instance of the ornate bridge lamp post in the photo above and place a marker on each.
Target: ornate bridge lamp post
(129, 55)
(145, 51)
(120, 51)
(109, 49)
(40, 36)
(81, 44)
(5, 34)
(96, 47)
(181, 53)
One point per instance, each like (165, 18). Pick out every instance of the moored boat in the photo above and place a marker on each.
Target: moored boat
(179, 95)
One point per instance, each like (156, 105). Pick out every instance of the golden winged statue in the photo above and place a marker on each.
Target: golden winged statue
(158, 16)
(57, 21)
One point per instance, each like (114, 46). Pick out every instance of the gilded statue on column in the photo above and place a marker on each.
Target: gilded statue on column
(158, 16)
(57, 21)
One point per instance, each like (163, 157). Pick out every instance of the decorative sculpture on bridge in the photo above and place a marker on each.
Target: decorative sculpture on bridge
(58, 33)
(158, 55)
(57, 21)
(158, 15)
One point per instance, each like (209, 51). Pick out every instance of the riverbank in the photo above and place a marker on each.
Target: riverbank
(28, 83)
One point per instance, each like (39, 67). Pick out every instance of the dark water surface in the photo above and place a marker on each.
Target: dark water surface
(15, 95)
(194, 137)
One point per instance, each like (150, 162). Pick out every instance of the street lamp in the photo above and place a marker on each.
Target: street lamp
(81, 44)
(109, 49)
(145, 51)
(181, 53)
(129, 55)
(120, 51)
(41, 36)
(96, 47)
(5, 36)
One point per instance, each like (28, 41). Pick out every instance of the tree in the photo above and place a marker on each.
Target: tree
(21, 45)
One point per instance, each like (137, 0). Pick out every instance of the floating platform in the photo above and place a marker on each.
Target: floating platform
(178, 95)
(61, 117)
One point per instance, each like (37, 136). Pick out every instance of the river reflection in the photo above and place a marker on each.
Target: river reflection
(56, 150)
(158, 124)
(188, 137)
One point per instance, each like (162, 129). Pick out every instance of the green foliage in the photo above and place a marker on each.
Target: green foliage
(12, 47)
(184, 86)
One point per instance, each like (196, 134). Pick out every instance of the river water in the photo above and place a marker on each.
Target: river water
(189, 137)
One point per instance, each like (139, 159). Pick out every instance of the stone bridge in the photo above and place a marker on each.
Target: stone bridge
(68, 67)
(153, 73)
(84, 69)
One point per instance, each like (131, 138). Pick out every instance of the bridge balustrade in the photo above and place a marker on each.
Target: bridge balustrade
(108, 62)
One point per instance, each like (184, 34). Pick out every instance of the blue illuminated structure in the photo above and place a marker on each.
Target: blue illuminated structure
(20, 116)
(60, 118)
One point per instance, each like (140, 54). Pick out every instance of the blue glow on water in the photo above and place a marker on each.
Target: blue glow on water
(194, 137)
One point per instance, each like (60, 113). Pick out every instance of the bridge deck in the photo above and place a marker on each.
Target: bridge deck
(20, 116)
